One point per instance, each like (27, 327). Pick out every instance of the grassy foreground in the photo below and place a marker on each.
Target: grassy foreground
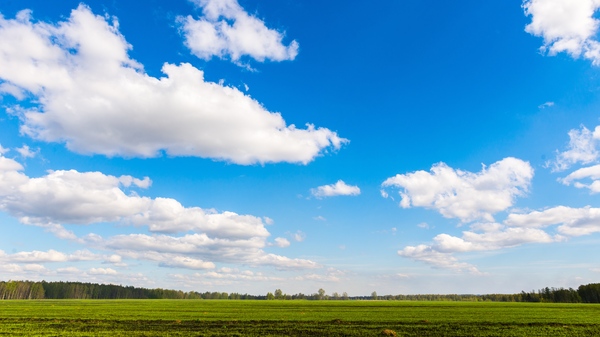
(294, 318)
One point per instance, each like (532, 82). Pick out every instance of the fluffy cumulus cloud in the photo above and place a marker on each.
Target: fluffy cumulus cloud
(517, 229)
(566, 26)
(26, 152)
(570, 221)
(475, 197)
(481, 237)
(465, 195)
(33, 264)
(237, 275)
(89, 94)
(491, 240)
(102, 271)
(70, 197)
(48, 256)
(590, 174)
(337, 189)
(227, 30)
(427, 254)
(39, 272)
(197, 251)
(282, 242)
(582, 149)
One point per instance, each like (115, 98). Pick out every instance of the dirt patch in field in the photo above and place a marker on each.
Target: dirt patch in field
(388, 332)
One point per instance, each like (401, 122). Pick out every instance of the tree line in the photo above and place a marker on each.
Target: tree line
(9, 290)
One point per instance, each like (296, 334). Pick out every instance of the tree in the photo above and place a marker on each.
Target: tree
(374, 295)
(321, 294)
(345, 296)
(270, 296)
(590, 293)
(278, 294)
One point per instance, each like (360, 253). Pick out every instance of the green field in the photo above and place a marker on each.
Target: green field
(294, 318)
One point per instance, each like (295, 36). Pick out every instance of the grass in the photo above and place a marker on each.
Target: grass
(294, 318)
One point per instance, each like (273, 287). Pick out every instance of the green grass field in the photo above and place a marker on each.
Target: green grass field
(293, 318)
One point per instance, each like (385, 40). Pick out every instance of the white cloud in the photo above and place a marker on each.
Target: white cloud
(91, 95)
(187, 262)
(26, 152)
(115, 259)
(435, 258)
(337, 189)
(516, 230)
(592, 172)
(582, 149)
(34, 267)
(282, 242)
(330, 275)
(566, 26)
(505, 238)
(465, 195)
(237, 275)
(165, 249)
(226, 276)
(166, 259)
(571, 221)
(68, 197)
(127, 181)
(227, 30)
(9, 165)
(11, 268)
(546, 105)
(38, 272)
(57, 230)
(102, 271)
(71, 197)
(48, 256)
(492, 236)
(299, 236)
(3, 150)
(169, 216)
(197, 251)
(283, 262)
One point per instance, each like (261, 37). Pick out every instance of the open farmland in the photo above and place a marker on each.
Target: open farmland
(294, 318)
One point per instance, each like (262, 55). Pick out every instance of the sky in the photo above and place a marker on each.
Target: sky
(401, 147)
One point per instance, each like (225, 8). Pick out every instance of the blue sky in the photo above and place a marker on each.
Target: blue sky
(223, 145)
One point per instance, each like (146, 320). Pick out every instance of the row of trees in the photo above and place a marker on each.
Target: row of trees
(320, 295)
(589, 293)
(77, 290)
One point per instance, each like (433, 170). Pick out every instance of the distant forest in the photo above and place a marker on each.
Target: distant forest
(13, 290)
